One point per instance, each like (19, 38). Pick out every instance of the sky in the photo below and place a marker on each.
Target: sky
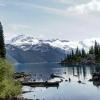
(51, 19)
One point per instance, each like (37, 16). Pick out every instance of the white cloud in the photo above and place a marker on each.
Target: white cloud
(83, 8)
(86, 8)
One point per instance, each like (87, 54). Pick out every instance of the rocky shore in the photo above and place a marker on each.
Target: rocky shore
(95, 79)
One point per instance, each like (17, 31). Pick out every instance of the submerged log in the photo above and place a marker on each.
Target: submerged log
(41, 84)
(25, 81)
(54, 75)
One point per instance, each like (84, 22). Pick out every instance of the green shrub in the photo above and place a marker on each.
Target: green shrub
(8, 86)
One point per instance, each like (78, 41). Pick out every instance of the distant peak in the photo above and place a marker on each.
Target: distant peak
(17, 37)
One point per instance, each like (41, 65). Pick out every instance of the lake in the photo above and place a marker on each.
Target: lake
(70, 90)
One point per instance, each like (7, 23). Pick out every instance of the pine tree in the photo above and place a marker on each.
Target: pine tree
(83, 53)
(91, 50)
(96, 51)
(99, 51)
(68, 57)
(77, 52)
(2, 45)
(72, 53)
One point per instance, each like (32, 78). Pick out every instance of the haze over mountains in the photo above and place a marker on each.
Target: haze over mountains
(27, 49)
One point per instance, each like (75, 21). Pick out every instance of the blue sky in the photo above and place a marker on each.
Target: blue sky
(47, 19)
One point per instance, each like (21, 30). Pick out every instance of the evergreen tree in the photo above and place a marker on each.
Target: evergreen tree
(91, 50)
(83, 53)
(72, 53)
(2, 45)
(68, 57)
(78, 56)
(77, 51)
(96, 51)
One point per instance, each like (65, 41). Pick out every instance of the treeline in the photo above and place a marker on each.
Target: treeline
(95, 50)
(79, 55)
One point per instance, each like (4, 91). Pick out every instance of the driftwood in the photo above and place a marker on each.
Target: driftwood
(41, 84)
(54, 75)
(25, 81)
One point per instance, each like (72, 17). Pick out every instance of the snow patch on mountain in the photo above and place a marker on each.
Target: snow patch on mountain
(28, 42)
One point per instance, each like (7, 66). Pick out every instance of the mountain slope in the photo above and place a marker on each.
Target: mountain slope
(42, 53)
(27, 49)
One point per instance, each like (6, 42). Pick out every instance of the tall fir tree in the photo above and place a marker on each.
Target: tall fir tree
(91, 50)
(83, 53)
(96, 51)
(72, 53)
(2, 44)
(77, 51)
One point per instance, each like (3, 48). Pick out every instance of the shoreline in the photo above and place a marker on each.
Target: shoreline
(79, 63)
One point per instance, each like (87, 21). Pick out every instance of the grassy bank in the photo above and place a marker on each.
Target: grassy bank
(8, 87)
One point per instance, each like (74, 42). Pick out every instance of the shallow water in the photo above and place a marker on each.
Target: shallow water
(67, 90)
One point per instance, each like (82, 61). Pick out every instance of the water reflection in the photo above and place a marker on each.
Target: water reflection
(43, 71)
(67, 90)
(83, 72)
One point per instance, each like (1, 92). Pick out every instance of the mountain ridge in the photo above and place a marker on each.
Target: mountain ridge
(54, 50)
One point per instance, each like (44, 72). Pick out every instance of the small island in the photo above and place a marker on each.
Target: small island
(92, 57)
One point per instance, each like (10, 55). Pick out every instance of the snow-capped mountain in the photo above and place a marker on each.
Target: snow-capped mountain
(29, 49)
(22, 41)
